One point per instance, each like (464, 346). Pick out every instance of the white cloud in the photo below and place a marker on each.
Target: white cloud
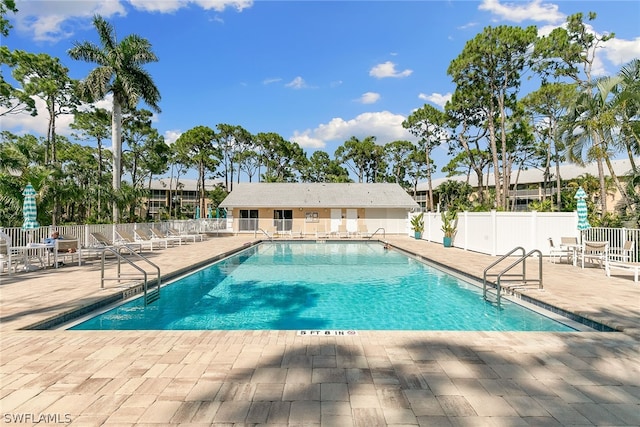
(57, 20)
(523, 11)
(620, 51)
(369, 98)
(436, 98)
(297, 83)
(25, 124)
(388, 69)
(305, 140)
(169, 6)
(386, 126)
(22, 124)
(468, 25)
(171, 136)
(272, 80)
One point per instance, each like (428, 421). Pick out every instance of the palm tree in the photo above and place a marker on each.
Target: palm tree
(590, 132)
(120, 73)
(628, 104)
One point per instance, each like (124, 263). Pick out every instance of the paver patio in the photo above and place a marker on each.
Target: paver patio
(381, 378)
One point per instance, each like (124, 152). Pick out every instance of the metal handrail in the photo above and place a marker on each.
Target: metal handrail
(384, 233)
(255, 234)
(149, 297)
(493, 264)
(522, 260)
(522, 277)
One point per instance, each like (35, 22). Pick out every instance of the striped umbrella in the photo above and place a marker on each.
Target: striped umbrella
(29, 212)
(583, 222)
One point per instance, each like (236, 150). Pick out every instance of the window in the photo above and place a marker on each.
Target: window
(283, 219)
(248, 220)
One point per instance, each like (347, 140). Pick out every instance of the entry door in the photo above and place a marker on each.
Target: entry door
(336, 220)
(352, 220)
(283, 219)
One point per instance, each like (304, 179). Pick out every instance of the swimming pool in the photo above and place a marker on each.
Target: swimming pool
(328, 286)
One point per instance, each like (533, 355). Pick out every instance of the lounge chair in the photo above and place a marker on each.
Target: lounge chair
(321, 232)
(158, 234)
(282, 233)
(126, 237)
(194, 237)
(103, 242)
(343, 233)
(556, 253)
(144, 235)
(595, 252)
(633, 267)
(363, 231)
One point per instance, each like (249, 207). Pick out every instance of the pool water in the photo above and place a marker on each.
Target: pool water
(326, 286)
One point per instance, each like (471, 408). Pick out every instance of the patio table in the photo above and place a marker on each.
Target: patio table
(33, 250)
(575, 248)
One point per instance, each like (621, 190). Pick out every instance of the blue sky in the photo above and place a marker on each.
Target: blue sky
(316, 73)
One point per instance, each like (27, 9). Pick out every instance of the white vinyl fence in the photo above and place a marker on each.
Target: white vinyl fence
(496, 233)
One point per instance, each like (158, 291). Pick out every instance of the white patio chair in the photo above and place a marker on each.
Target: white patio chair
(556, 253)
(624, 254)
(66, 247)
(6, 258)
(595, 252)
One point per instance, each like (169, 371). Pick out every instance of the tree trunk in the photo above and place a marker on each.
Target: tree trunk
(429, 181)
(116, 143)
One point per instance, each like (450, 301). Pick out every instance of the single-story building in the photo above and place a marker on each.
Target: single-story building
(315, 208)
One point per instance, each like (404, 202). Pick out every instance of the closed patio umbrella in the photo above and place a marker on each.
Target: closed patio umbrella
(197, 216)
(30, 214)
(583, 222)
(29, 211)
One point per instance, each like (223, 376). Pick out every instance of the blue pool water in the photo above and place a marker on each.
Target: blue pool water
(330, 286)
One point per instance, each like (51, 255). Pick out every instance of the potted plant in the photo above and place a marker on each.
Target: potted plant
(449, 227)
(417, 223)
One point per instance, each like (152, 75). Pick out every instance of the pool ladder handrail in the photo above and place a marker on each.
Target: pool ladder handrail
(384, 233)
(520, 277)
(149, 296)
(255, 234)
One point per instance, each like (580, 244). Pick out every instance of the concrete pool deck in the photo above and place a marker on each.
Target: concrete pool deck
(195, 378)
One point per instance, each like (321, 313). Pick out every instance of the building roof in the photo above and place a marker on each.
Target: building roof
(532, 176)
(184, 183)
(316, 195)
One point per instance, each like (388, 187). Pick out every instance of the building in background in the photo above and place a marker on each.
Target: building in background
(530, 184)
(178, 196)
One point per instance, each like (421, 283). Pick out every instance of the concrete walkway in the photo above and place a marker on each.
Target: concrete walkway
(225, 378)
